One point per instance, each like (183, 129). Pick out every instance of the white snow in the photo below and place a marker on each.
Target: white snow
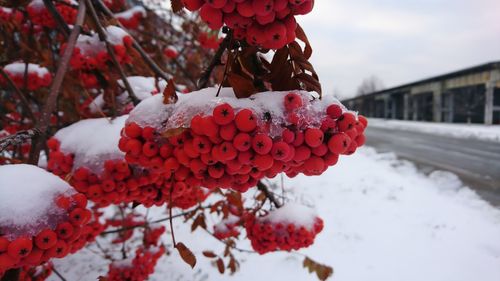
(128, 14)
(474, 131)
(27, 195)
(91, 45)
(144, 87)
(226, 223)
(293, 213)
(384, 220)
(17, 68)
(92, 141)
(152, 112)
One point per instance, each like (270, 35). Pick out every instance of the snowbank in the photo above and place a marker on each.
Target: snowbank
(474, 131)
(384, 220)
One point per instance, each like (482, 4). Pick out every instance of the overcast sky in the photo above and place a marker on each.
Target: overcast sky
(399, 41)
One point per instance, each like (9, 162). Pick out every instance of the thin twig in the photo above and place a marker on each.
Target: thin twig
(156, 69)
(50, 103)
(61, 24)
(216, 60)
(58, 274)
(104, 38)
(262, 187)
(20, 95)
(18, 138)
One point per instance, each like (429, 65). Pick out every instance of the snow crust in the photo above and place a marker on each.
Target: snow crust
(293, 213)
(19, 67)
(27, 195)
(474, 131)
(223, 225)
(128, 14)
(92, 141)
(152, 111)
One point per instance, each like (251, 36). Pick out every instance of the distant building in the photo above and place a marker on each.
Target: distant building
(470, 95)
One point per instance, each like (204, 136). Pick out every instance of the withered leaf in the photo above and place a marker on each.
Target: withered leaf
(209, 254)
(199, 222)
(243, 87)
(169, 94)
(301, 35)
(173, 132)
(186, 254)
(176, 5)
(322, 271)
(220, 265)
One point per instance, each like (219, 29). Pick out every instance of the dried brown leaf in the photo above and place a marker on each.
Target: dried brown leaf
(322, 271)
(220, 266)
(209, 254)
(186, 254)
(169, 94)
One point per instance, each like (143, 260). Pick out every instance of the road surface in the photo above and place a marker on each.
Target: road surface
(476, 162)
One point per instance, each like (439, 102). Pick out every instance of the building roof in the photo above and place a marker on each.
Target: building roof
(466, 71)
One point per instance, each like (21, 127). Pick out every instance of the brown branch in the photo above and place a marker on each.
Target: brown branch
(18, 138)
(20, 95)
(51, 101)
(262, 187)
(104, 38)
(216, 60)
(156, 69)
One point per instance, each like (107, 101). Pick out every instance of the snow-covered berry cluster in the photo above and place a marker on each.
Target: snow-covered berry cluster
(51, 224)
(227, 228)
(91, 53)
(137, 268)
(266, 23)
(9, 15)
(87, 151)
(37, 76)
(39, 14)
(224, 142)
(288, 228)
(132, 17)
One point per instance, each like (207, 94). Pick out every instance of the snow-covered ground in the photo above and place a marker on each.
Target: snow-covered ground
(384, 220)
(475, 131)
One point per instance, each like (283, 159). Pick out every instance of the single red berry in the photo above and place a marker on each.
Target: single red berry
(262, 144)
(280, 150)
(193, 5)
(133, 130)
(288, 136)
(19, 248)
(210, 128)
(362, 119)
(150, 149)
(245, 120)
(223, 114)
(46, 239)
(227, 151)
(64, 230)
(77, 216)
(346, 121)
(293, 101)
(202, 144)
(360, 140)
(227, 132)
(213, 17)
(63, 202)
(263, 162)
(313, 137)
(339, 143)
(301, 153)
(80, 200)
(197, 125)
(242, 142)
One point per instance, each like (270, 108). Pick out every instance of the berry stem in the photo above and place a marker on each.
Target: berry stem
(61, 24)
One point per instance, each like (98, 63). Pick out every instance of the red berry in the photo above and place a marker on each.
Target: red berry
(242, 142)
(64, 230)
(193, 5)
(227, 151)
(263, 7)
(46, 239)
(339, 143)
(360, 140)
(223, 114)
(280, 150)
(210, 128)
(150, 149)
(363, 120)
(202, 144)
(20, 248)
(293, 101)
(346, 121)
(217, 4)
(313, 137)
(228, 132)
(263, 162)
(212, 16)
(334, 111)
(262, 144)
(133, 130)
(245, 120)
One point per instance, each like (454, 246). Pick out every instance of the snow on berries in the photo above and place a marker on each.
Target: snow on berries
(39, 14)
(9, 15)
(131, 18)
(288, 228)
(225, 142)
(266, 23)
(40, 218)
(227, 228)
(137, 268)
(91, 53)
(37, 76)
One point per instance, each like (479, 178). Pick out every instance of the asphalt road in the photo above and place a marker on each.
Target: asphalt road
(476, 162)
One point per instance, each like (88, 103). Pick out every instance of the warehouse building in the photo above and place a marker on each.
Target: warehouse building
(470, 95)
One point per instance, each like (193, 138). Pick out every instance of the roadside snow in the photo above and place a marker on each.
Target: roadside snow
(466, 131)
(384, 220)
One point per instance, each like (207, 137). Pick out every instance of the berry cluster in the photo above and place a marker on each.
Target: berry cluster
(70, 234)
(208, 41)
(268, 235)
(152, 235)
(170, 53)
(138, 268)
(132, 17)
(37, 76)
(91, 53)
(114, 5)
(266, 23)
(232, 148)
(39, 14)
(9, 15)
